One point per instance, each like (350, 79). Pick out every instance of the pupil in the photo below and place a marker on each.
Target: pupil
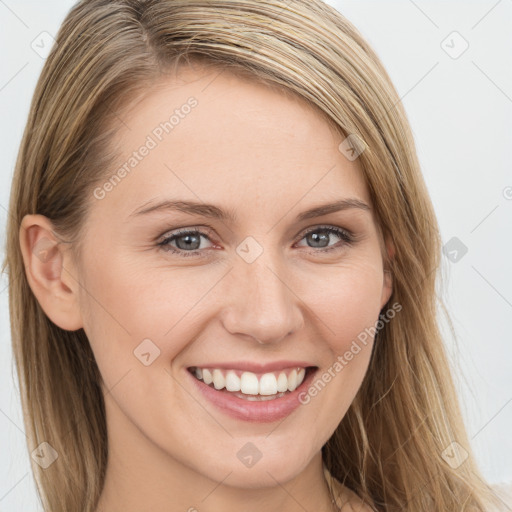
(319, 238)
(189, 239)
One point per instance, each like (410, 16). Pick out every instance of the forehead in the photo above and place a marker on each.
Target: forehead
(213, 134)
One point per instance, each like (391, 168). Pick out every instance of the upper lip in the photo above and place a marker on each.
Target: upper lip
(251, 366)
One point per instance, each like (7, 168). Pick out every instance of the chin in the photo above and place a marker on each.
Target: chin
(255, 469)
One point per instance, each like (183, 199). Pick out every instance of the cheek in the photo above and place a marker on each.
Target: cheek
(348, 303)
(348, 313)
(126, 305)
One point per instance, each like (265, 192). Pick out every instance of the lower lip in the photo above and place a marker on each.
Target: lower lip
(255, 411)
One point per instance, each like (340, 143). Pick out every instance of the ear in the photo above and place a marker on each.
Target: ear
(387, 288)
(50, 272)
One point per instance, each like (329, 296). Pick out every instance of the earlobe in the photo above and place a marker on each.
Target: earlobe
(49, 272)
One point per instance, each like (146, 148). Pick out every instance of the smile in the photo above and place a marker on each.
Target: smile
(252, 384)
(253, 396)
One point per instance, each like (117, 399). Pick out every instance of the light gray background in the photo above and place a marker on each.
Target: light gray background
(460, 110)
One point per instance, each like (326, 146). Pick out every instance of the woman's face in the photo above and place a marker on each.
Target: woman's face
(244, 288)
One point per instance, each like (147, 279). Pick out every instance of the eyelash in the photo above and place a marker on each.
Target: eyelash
(345, 235)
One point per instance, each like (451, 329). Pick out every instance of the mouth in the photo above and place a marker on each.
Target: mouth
(250, 385)
(253, 396)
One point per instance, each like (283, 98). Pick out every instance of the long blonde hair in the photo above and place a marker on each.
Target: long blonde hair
(389, 446)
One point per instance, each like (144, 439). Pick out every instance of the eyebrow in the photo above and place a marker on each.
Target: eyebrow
(214, 212)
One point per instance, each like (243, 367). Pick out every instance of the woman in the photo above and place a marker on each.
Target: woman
(222, 262)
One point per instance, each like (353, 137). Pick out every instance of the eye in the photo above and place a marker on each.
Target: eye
(320, 236)
(187, 242)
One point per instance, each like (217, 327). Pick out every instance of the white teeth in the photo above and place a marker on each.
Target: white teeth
(292, 380)
(207, 376)
(249, 383)
(218, 379)
(232, 381)
(282, 382)
(268, 384)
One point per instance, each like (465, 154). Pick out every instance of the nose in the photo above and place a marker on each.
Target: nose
(261, 303)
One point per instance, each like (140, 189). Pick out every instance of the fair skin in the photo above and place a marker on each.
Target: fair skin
(267, 158)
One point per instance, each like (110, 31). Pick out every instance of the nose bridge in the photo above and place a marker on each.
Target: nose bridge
(262, 305)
